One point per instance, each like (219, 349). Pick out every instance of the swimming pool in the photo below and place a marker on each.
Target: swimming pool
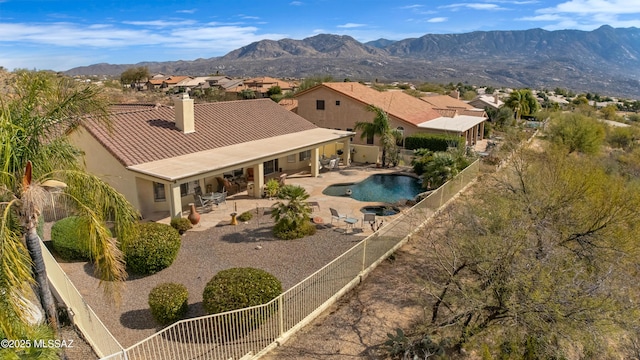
(388, 188)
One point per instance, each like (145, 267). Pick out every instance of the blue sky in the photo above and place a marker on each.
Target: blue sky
(61, 34)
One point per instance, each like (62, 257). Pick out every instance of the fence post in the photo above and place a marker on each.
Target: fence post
(281, 315)
(364, 254)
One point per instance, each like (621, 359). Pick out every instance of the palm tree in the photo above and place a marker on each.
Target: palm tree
(36, 157)
(380, 127)
(296, 212)
(522, 102)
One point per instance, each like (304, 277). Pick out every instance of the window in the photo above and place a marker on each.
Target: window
(337, 102)
(319, 104)
(158, 192)
(188, 188)
(291, 158)
(305, 155)
(370, 139)
(400, 142)
(234, 173)
(270, 166)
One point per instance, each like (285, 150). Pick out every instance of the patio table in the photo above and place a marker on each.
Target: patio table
(213, 197)
(349, 224)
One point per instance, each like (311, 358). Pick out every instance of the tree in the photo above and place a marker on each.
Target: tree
(134, 75)
(539, 262)
(522, 102)
(501, 117)
(441, 168)
(247, 94)
(577, 132)
(610, 112)
(36, 157)
(379, 127)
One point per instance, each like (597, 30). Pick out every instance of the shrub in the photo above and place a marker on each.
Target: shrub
(69, 239)
(155, 249)
(282, 230)
(433, 142)
(181, 224)
(168, 302)
(238, 288)
(245, 216)
(272, 187)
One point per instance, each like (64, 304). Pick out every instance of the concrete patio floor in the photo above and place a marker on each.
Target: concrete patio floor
(241, 202)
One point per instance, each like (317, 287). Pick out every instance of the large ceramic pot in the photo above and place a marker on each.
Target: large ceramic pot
(193, 217)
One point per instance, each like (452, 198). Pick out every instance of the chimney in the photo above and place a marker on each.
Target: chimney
(455, 94)
(495, 98)
(184, 114)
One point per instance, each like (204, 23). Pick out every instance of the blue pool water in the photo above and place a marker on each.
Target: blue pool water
(388, 188)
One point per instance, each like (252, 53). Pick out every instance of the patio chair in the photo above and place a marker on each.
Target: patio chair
(222, 199)
(335, 215)
(201, 203)
(370, 219)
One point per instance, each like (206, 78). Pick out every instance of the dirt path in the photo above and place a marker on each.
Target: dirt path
(356, 326)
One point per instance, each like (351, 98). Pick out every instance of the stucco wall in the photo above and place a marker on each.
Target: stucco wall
(101, 163)
(343, 116)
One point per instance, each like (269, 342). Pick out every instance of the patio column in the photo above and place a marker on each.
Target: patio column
(347, 151)
(258, 180)
(315, 162)
(175, 200)
(482, 130)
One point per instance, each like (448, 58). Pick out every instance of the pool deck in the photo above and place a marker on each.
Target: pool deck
(241, 202)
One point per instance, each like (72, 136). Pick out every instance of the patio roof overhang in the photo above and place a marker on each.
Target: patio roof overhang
(215, 161)
(459, 123)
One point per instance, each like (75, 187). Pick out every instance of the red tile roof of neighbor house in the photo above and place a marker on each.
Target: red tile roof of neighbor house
(440, 102)
(144, 133)
(395, 103)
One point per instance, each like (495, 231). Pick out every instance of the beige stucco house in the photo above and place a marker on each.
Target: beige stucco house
(156, 155)
(340, 105)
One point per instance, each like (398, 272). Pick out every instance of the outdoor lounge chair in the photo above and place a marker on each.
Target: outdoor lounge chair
(221, 200)
(335, 215)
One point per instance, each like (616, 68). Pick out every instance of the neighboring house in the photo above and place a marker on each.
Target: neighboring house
(165, 83)
(340, 105)
(487, 101)
(157, 155)
(261, 85)
(289, 104)
(447, 102)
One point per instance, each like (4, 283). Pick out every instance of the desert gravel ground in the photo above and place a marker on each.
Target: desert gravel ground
(202, 255)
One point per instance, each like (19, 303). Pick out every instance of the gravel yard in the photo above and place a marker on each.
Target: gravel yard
(203, 254)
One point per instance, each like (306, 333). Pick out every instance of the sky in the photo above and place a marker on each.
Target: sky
(60, 34)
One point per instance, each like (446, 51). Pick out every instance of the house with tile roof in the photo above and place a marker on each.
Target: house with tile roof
(447, 102)
(261, 85)
(487, 101)
(340, 105)
(157, 155)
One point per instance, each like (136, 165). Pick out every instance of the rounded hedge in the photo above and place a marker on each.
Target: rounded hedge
(245, 216)
(155, 249)
(238, 288)
(181, 224)
(168, 302)
(283, 230)
(68, 239)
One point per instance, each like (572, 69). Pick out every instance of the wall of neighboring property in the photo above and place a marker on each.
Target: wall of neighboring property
(342, 112)
(101, 163)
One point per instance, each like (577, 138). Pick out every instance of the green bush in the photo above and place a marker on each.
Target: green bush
(283, 230)
(69, 239)
(155, 249)
(433, 142)
(168, 302)
(245, 216)
(181, 224)
(238, 288)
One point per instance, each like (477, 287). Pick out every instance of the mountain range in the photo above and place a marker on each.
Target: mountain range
(604, 61)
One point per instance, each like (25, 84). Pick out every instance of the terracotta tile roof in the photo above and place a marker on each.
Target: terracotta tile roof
(144, 133)
(445, 101)
(447, 112)
(289, 104)
(395, 103)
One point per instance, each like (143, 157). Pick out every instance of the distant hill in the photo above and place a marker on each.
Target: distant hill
(605, 60)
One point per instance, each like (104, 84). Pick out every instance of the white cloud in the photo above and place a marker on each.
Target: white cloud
(187, 11)
(475, 6)
(296, 3)
(437, 20)
(595, 7)
(416, 6)
(350, 26)
(161, 23)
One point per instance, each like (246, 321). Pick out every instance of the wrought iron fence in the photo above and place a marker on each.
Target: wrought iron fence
(252, 332)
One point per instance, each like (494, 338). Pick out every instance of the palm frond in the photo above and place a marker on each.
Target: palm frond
(98, 204)
(15, 272)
